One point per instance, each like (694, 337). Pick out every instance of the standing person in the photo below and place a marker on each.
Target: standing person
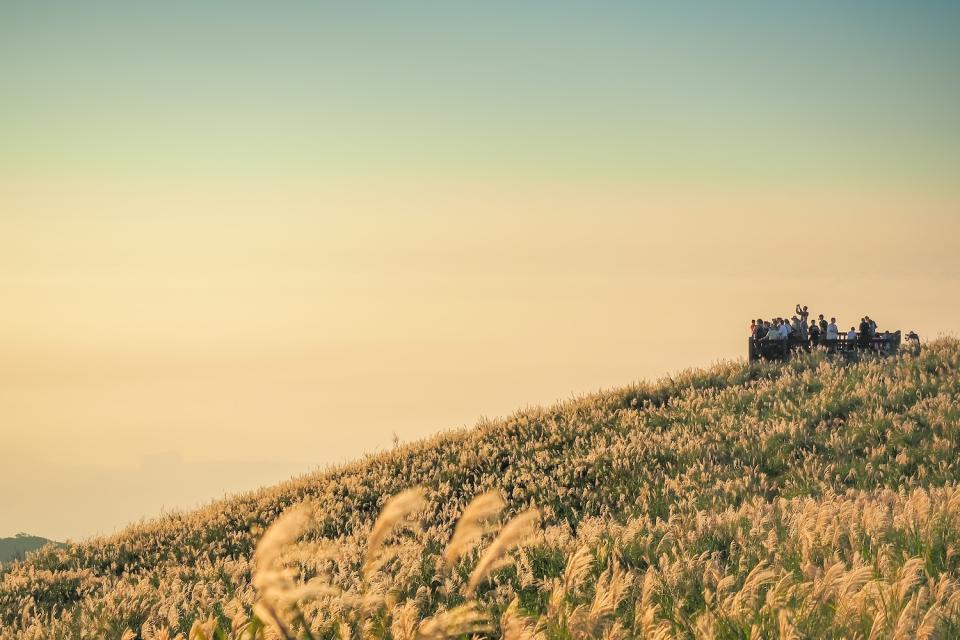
(757, 332)
(763, 327)
(799, 329)
(832, 332)
(823, 325)
(753, 327)
(803, 314)
(785, 329)
(914, 341)
(773, 332)
(852, 337)
(814, 333)
(831, 335)
(865, 333)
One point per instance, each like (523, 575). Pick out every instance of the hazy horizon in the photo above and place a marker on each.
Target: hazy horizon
(237, 245)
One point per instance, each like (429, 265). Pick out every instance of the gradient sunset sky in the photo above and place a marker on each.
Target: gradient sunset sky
(243, 240)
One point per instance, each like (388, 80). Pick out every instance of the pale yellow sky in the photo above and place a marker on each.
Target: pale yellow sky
(291, 325)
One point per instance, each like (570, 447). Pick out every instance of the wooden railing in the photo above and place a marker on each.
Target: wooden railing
(762, 348)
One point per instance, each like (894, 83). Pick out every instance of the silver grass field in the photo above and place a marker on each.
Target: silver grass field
(813, 499)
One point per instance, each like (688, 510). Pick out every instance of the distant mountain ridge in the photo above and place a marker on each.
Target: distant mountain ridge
(17, 547)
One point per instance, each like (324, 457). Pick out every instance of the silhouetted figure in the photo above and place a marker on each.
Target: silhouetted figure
(866, 335)
(759, 330)
(913, 340)
(814, 334)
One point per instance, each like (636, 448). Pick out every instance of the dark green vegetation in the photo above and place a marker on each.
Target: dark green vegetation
(806, 499)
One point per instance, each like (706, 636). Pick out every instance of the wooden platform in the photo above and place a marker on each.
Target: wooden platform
(783, 349)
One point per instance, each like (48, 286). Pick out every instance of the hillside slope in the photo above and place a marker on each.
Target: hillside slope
(811, 499)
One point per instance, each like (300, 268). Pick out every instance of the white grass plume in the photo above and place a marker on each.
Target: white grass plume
(397, 511)
(578, 568)
(513, 626)
(459, 621)
(271, 578)
(277, 584)
(611, 589)
(512, 535)
(403, 625)
(473, 524)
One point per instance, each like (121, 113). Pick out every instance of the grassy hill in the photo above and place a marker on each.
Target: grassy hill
(814, 499)
(17, 547)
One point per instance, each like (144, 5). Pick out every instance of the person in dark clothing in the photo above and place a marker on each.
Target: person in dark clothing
(823, 325)
(913, 342)
(865, 334)
(814, 333)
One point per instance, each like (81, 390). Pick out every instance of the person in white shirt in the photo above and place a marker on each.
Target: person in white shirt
(851, 336)
(785, 329)
(833, 333)
(774, 333)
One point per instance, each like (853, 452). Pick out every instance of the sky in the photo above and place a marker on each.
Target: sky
(244, 241)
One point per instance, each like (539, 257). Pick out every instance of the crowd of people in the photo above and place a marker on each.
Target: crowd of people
(797, 331)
